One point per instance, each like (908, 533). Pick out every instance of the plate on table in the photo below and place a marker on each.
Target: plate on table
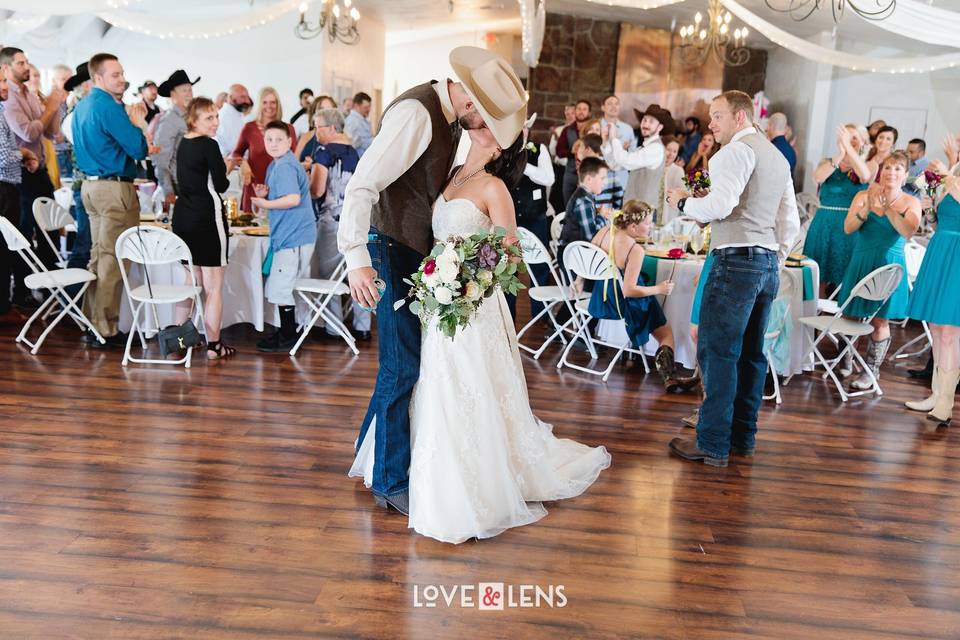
(257, 231)
(796, 257)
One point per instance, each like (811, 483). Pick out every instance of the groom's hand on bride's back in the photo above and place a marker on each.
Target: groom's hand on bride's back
(363, 287)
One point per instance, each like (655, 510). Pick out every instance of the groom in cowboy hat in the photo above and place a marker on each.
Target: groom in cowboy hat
(171, 128)
(385, 229)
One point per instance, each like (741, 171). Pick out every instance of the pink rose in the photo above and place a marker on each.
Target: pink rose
(429, 267)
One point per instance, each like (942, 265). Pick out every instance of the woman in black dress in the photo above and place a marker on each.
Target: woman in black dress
(199, 217)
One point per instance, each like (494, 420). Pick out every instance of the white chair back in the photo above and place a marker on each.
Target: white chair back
(535, 253)
(50, 216)
(588, 261)
(149, 245)
(876, 286)
(12, 236)
(913, 253)
(556, 227)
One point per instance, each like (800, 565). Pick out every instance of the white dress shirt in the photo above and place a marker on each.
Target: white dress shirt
(542, 172)
(650, 156)
(405, 133)
(730, 170)
(231, 123)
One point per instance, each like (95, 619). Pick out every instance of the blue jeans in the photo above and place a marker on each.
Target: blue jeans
(398, 340)
(737, 298)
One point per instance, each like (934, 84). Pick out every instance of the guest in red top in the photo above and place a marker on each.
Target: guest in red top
(253, 169)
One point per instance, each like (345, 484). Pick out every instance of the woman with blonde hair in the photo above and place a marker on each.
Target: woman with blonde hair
(636, 303)
(253, 170)
(199, 217)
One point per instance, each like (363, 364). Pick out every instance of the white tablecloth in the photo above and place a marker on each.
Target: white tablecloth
(243, 299)
(679, 304)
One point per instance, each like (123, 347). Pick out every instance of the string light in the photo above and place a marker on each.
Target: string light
(205, 29)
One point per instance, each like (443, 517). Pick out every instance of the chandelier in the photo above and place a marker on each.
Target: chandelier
(802, 9)
(338, 23)
(698, 41)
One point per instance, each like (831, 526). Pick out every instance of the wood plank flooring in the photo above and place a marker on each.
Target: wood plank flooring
(154, 502)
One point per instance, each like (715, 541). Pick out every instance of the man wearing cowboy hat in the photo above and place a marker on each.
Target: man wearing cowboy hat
(646, 163)
(385, 228)
(170, 130)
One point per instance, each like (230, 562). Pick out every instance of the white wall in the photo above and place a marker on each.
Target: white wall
(269, 55)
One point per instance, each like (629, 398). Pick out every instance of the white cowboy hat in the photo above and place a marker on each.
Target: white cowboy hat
(495, 89)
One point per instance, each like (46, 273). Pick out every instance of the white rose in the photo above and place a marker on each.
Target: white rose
(443, 295)
(472, 291)
(448, 272)
(432, 280)
(448, 257)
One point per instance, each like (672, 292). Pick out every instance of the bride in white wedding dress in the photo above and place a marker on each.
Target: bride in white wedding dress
(481, 462)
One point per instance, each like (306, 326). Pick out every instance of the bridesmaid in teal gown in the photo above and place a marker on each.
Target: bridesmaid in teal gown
(936, 299)
(880, 218)
(840, 178)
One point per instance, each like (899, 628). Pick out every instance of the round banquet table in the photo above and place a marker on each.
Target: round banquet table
(677, 307)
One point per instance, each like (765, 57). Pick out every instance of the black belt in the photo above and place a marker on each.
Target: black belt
(109, 178)
(741, 251)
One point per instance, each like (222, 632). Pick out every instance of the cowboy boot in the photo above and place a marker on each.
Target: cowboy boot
(846, 368)
(692, 420)
(943, 411)
(931, 401)
(667, 368)
(876, 352)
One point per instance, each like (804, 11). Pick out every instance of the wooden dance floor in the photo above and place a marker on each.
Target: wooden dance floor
(214, 503)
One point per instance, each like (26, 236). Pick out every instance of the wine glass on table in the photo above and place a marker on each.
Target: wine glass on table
(696, 241)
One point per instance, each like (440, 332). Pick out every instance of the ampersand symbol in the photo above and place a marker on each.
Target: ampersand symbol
(490, 597)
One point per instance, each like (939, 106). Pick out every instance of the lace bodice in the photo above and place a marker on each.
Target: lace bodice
(458, 217)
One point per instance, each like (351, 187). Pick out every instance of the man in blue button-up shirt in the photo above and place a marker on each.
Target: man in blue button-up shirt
(108, 141)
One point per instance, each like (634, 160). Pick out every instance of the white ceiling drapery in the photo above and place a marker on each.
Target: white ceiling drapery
(65, 7)
(176, 27)
(854, 62)
(922, 22)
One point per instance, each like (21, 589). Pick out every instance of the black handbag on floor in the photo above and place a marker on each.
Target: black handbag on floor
(176, 337)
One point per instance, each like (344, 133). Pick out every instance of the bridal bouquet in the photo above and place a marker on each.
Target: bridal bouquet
(459, 275)
(697, 180)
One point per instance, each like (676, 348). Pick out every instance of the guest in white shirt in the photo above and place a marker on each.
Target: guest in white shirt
(672, 179)
(753, 211)
(646, 164)
(626, 138)
(357, 124)
(233, 115)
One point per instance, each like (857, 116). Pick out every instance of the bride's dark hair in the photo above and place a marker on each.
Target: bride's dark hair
(509, 166)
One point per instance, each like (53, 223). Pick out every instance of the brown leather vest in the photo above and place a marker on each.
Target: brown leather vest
(405, 208)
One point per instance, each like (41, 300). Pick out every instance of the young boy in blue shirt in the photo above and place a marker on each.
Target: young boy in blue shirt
(293, 231)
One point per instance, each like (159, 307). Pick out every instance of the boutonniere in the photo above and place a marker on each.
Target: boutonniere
(531, 146)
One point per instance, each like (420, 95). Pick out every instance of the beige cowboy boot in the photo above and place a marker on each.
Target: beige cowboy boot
(930, 402)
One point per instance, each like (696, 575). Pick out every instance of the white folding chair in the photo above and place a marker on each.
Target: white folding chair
(913, 253)
(556, 227)
(50, 216)
(151, 246)
(775, 329)
(318, 293)
(549, 295)
(877, 286)
(590, 263)
(55, 282)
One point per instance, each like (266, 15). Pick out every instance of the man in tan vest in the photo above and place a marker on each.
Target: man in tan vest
(753, 211)
(385, 229)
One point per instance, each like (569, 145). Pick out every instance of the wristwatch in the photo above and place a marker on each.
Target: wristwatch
(681, 203)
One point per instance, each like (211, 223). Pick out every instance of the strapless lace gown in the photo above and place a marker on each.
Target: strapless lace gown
(481, 462)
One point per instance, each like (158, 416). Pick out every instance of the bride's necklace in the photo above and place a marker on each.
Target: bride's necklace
(460, 183)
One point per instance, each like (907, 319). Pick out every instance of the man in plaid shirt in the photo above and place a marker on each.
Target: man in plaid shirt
(12, 160)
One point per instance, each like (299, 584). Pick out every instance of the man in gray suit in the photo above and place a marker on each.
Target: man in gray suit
(752, 210)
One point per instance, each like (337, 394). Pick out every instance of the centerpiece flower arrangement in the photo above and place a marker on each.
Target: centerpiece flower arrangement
(459, 274)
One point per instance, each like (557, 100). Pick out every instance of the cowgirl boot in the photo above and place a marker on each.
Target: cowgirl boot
(931, 401)
(846, 368)
(667, 368)
(943, 410)
(876, 352)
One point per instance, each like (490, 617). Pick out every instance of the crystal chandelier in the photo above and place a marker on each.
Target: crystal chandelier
(802, 9)
(698, 41)
(339, 23)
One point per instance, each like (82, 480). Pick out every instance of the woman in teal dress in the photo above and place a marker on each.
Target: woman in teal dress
(840, 178)
(880, 218)
(635, 303)
(936, 299)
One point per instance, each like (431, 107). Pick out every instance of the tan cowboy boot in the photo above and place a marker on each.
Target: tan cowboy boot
(929, 403)
(943, 411)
